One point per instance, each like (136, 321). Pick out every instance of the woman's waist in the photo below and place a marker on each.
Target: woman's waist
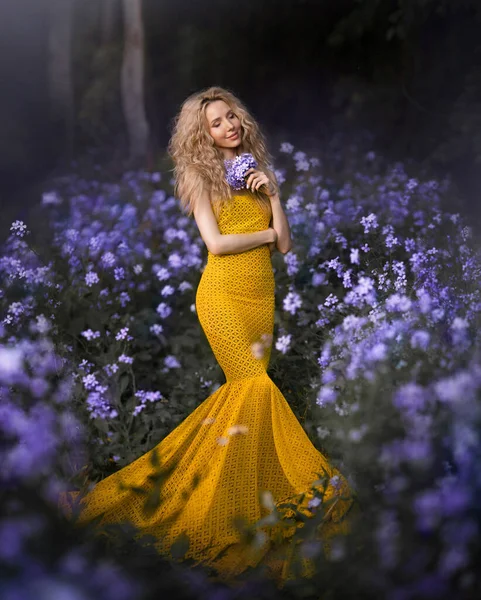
(248, 270)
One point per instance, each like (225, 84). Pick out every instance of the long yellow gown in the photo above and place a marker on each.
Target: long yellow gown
(240, 441)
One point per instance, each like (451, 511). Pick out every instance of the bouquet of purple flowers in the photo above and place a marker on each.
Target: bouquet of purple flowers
(236, 169)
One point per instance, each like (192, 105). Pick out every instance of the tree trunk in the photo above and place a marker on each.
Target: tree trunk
(108, 19)
(132, 80)
(60, 70)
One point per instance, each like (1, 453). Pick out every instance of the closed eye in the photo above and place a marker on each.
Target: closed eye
(217, 124)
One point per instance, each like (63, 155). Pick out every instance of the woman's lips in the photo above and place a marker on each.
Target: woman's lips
(232, 137)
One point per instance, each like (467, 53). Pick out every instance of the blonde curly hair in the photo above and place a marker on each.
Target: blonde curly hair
(199, 164)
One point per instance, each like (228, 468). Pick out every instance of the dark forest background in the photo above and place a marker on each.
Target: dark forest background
(407, 72)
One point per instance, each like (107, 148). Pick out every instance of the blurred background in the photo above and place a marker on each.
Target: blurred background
(377, 308)
(94, 84)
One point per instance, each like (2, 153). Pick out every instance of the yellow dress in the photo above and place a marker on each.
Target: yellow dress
(241, 440)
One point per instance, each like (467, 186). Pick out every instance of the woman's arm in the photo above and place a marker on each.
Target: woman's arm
(231, 243)
(280, 223)
(234, 243)
(278, 220)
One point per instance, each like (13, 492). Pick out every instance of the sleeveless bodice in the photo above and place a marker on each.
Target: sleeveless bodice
(242, 214)
(249, 272)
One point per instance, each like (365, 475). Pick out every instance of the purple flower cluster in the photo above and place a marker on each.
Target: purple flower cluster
(396, 299)
(35, 417)
(236, 169)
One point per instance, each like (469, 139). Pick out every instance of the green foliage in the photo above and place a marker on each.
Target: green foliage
(180, 547)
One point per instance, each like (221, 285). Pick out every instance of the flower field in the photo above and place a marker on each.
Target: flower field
(377, 350)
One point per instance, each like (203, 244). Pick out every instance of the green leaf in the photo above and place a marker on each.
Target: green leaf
(180, 546)
(138, 490)
(240, 523)
(152, 502)
(124, 381)
(195, 480)
(154, 457)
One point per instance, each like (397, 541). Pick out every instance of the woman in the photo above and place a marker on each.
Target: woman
(242, 450)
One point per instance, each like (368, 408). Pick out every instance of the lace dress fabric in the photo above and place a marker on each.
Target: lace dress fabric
(241, 440)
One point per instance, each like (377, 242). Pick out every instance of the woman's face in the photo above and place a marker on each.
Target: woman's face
(222, 123)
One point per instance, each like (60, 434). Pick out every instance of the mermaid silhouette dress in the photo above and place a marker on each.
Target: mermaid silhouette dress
(240, 441)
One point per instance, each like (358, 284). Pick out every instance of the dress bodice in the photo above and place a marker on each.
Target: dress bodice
(250, 270)
(242, 214)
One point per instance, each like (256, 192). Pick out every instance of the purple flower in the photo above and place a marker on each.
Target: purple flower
(325, 357)
(119, 273)
(292, 262)
(123, 358)
(369, 222)
(318, 278)
(331, 300)
(91, 277)
(123, 334)
(456, 388)
(364, 287)
(427, 506)
(410, 397)
(156, 329)
(13, 532)
(161, 272)
(175, 260)
(108, 259)
(354, 257)
(163, 310)
(286, 147)
(51, 198)
(377, 352)
(336, 482)
(398, 302)
(145, 397)
(420, 339)
(89, 334)
(292, 302)
(328, 376)
(456, 497)
(18, 228)
(171, 362)
(90, 382)
(416, 450)
(11, 363)
(327, 395)
(99, 406)
(236, 169)
(283, 343)
(454, 559)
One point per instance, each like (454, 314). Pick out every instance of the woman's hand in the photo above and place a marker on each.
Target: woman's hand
(256, 179)
(272, 247)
